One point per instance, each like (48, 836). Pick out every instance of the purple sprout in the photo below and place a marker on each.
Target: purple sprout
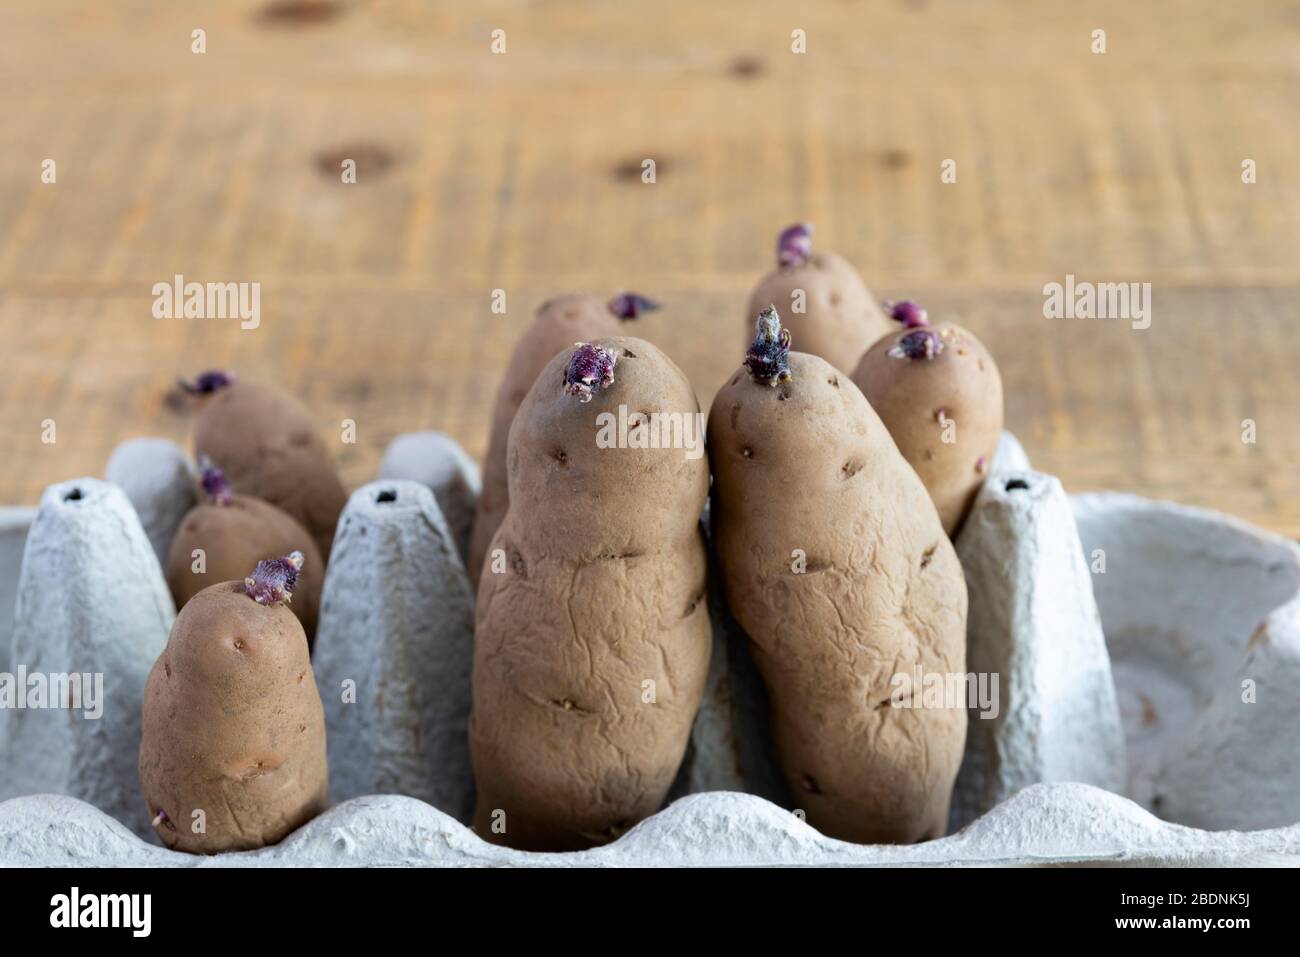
(794, 245)
(214, 483)
(273, 579)
(630, 305)
(207, 382)
(768, 359)
(908, 313)
(591, 368)
(917, 344)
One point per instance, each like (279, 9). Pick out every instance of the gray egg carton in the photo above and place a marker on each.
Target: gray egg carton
(1152, 652)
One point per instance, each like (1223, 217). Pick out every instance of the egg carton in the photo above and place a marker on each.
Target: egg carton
(1150, 650)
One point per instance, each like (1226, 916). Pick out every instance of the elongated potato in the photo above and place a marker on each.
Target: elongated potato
(232, 755)
(840, 317)
(835, 564)
(939, 393)
(234, 533)
(592, 642)
(559, 323)
(266, 441)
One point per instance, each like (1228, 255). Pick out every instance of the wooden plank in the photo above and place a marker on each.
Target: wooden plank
(522, 172)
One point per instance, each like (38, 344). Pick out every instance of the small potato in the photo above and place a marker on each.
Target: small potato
(939, 393)
(840, 317)
(266, 441)
(560, 322)
(592, 642)
(234, 533)
(834, 562)
(232, 755)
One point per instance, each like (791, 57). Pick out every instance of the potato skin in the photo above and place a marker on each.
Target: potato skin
(606, 588)
(961, 382)
(842, 318)
(560, 322)
(808, 465)
(266, 442)
(235, 538)
(233, 726)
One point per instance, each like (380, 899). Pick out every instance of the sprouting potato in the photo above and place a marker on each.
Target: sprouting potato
(266, 441)
(232, 755)
(232, 533)
(559, 323)
(939, 393)
(835, 563)
(828, 308)
(592, 639)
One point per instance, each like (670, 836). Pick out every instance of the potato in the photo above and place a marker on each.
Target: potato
(840, 317)
(235, 532)
(834, 562)
(592, 643)
(559, 323)
(266, 441)
(939, 393)
(232, 723)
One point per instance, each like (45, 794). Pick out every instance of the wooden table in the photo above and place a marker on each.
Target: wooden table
(478, 171)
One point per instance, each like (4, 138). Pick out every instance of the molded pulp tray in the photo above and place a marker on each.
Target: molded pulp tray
(1194, 605)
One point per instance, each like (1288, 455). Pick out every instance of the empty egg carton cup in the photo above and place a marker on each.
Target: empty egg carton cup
(1147, 656)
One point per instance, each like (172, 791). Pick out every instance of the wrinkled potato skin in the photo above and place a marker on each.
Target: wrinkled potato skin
(266, 442)
(576, 317)
(908, 394)
(235, 731)
(235, 538)
(842, 318)
(606, 588)
(882, 591)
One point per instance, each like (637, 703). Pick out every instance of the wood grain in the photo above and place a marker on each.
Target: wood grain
(522, 172)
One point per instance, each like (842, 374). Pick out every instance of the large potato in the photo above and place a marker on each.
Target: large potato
(235, 532)
(560, 322)
(265, 440)
(939, 393)
(835, 564)
(232, 724)
(592, 642)
(840, 317)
